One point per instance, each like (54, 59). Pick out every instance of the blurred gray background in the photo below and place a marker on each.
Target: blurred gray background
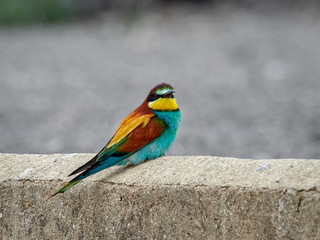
(247, 76)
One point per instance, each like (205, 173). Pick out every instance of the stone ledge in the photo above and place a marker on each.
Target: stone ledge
(171, 197)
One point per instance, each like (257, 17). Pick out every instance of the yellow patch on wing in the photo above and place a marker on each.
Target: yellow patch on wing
(130, 123)
(164, 104)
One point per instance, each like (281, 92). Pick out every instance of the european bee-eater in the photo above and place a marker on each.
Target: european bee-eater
(144, 134)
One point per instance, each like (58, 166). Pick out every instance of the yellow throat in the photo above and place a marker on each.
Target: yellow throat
(164, 104)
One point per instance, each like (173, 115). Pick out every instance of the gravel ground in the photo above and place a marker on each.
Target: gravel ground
(247, 81)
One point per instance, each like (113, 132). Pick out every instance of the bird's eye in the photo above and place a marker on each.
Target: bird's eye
(153, 97)
(172, 96)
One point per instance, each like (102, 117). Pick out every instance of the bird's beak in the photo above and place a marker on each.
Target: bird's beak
(169, 93)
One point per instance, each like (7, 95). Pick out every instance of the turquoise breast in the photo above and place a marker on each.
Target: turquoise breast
(159, 146)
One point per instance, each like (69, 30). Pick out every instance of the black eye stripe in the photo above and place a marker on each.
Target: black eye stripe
(156, 96)
(153, 97)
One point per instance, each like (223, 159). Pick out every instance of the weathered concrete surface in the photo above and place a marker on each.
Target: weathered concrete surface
(168, 198)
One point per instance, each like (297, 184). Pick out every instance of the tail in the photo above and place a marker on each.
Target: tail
(96, 167)
(66, 187)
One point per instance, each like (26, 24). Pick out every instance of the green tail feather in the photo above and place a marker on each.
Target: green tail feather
(66, 187)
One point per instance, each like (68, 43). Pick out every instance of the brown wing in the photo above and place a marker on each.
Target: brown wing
(129, 124)
(143, 135)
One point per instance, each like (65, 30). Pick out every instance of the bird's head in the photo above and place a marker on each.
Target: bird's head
(161, 98)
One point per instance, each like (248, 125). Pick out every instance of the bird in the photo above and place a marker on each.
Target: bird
(145, 134)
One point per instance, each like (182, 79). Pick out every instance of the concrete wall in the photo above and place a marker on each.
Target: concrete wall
(168, 198)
